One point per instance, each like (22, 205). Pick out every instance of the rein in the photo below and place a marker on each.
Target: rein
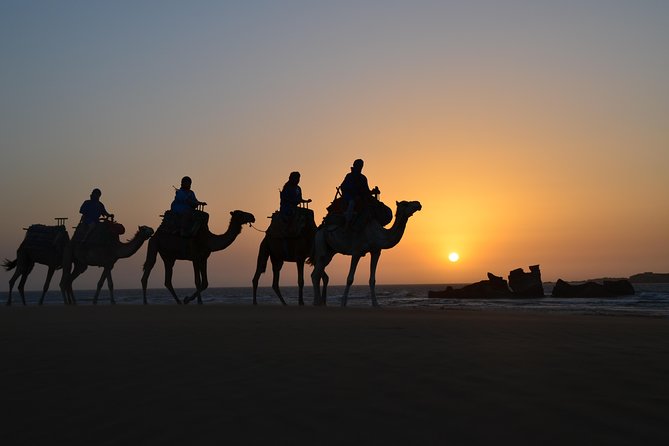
(259, 230)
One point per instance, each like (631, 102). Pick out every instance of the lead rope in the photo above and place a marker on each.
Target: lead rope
(259, 230)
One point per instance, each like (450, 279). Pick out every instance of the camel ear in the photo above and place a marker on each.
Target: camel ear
(397, 203)
(230, 212)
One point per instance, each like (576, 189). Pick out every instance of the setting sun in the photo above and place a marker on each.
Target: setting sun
(454, 257)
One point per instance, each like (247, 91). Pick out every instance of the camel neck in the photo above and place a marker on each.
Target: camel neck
(222, 241)
(393, 235)
(128, 249)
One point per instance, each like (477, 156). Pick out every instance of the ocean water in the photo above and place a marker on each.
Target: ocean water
(650, 299)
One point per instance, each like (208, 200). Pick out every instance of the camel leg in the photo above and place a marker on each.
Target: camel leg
(17, 273)
(106, 275)
(316, 276)
(198, 282)
(326, 280)
(316, 282)
(49, 275)
(372, 276)
(22, 283)
(204, 281)
(349, 280)
(319, 267)
(151, 253)
(319, 274)
(261, 266)
(277, 264)
(110, 284)
(145, 281)
(254, 282)
(300, 281)
(66, 278)
(79, 269)
(169, 267)
(101, 282)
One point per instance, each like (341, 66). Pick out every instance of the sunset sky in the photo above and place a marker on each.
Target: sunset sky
(532, 132)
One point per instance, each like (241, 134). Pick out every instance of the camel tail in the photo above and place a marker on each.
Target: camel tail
(9, 265)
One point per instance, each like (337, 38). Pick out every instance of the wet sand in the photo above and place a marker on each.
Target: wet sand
(269, 375)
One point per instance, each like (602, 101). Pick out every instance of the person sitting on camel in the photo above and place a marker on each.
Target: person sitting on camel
(291, 197)
(91, 210)
(184, 204)
(355, 189)
(288, 220)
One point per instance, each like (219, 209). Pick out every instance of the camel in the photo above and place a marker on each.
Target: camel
(173, 247)
(285, 249)
(370, 239)
(44, 245)
(80, 255)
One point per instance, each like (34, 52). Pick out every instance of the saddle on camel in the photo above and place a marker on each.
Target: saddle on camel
(105, 232)
(293, 227)
(46, 237)
(365, 210)
(184, 224)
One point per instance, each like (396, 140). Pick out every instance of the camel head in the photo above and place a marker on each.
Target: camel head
(408, 207)
(144, 232)
(242, 218)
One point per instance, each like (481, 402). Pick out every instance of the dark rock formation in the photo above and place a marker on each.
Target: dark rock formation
(493, 288)
(521, 284)
(650, 278)
(610, 288)
(526, 284)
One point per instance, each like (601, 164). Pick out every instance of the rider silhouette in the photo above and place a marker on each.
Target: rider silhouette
(355, 189)
(184, 204)
(91, 210)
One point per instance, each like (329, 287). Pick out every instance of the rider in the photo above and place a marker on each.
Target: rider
(291, 196)
(91, 210)
(355, 189)
(184, 204)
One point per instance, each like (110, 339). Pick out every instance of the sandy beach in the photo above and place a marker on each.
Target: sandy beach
(271, 375)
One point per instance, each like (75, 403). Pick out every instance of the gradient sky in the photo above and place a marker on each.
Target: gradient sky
(533, 132)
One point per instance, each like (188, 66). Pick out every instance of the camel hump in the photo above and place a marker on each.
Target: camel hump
(293, 227)
(186, 224)
(381, 213)
(103, 233)
(364, 212)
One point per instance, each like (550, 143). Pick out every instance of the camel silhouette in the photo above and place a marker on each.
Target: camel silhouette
(173, 247)
(280, 249)
(44, 245)
(79, 255)
(372, 238)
